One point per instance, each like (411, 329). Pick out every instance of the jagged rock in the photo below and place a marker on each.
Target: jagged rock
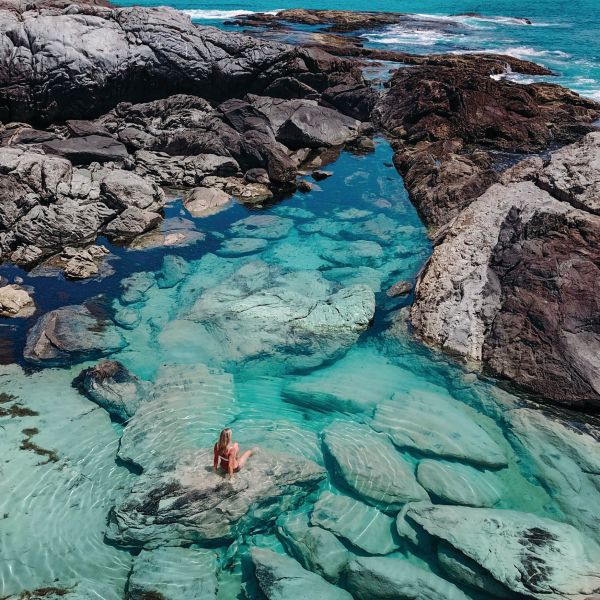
(110, 385)
(182, 501)
(70, 334)
(82, 264)
(319, 175)
(203, 202)
(530, 555)
(124, 189)
(459, 484)
(82, 128)
(173, 574)
(316, 549)
(357, 452)
(131, 223)
(434, 424)
(281, 577)
(573, 174)
(363, 526)
(15, 302)
(382, 578)
(88, 149)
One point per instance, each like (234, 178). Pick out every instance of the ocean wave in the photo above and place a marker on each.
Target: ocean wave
(221, 15)
(528, 51)
(407, 36)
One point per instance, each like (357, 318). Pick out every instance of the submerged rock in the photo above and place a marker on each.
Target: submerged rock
(71, 334)
(433, 424)
(384, 578)
(261, 312)
(530, 555)
(174, 270)
(269, 227)
(316, 549)
(281, 577)
(363, 526)
(459, 484)
(182, 501)
(369, 464)
(110, 385)
(173, 574)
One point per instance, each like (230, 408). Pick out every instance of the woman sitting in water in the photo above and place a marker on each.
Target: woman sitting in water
(228, 453)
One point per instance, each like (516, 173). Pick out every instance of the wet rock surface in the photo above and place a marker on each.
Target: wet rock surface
(183, 501)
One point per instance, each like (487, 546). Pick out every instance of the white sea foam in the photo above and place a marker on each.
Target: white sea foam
(408, 36)
(220, 15)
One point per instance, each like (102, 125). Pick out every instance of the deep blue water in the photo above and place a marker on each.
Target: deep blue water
(563, 36)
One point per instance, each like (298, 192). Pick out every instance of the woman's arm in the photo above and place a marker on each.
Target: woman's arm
(230, 467)
(216, 457)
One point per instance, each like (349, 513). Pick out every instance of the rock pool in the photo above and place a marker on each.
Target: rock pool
(273, 320)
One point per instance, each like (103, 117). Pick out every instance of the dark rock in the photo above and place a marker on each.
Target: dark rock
(449, 117)
(71, 334)
(305, 186)
(257, 176)
(80, 128)
(321, 175)
(88, 149)
(110, 385)
(25, 135)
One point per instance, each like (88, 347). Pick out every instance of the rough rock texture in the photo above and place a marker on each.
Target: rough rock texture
(514, 280)
(183, 501)
(110, 385)
(139, 54)
(70, 334)
(356, 453)
(530, 555)
(203, 202)
(383, 578)
(448, 117)
(173, 574)
(15, 302)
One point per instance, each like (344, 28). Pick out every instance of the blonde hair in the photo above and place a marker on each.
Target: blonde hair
(224, 441)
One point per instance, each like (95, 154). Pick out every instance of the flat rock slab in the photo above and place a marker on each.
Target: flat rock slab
(363, 526)
(281, 578)
(184, 501)
(269, 227)
(460, 484)
(185, 410)
(384, 578)
(70, 334)
(370, 465)
(240, 246)
(433, 424)
(173, 574)
(315, 548)
(530, 555)
(88, 149)
(204, 202)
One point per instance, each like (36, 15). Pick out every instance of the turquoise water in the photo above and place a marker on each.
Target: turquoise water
(65, 465)
(564, 35)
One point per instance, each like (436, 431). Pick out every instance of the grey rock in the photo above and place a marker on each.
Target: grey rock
(269, 227)
(174, 574)
(123, 189)
(183, 501)
(363, 526)
(401, 288)
(384, 578)
(434, 424)
(241, 246)
(460, 484)
(530, 555)
(370, 466)
(281, 577)
(88, 149)
(70, 334)
(131, 223)
(81, 128)
(135, 287)
(110, 385)
(316, 549)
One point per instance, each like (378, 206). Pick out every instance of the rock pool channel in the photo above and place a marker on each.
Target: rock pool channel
(383, 470)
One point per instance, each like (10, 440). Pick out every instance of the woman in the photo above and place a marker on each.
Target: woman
(227, 452)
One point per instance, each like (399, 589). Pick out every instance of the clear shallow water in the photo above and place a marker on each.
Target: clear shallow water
(563, 37)
(358, 226)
